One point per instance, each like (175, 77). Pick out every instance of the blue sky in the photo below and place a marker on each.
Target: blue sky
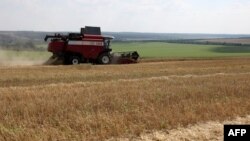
(171, 16)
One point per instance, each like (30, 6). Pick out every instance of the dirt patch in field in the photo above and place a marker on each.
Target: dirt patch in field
(210, 131)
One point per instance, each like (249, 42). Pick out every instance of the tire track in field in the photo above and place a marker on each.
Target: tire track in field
(170, 77)
(183, 76)
(209, 131)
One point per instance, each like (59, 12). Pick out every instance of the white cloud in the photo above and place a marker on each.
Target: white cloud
(224, 16)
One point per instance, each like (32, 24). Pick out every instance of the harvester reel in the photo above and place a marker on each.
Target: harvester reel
(130, 57)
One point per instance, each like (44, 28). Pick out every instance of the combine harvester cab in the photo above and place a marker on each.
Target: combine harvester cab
(89, 46)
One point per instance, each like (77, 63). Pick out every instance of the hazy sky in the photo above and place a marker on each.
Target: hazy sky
(171, 16)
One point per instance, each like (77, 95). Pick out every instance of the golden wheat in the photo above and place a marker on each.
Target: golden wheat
(99, 102)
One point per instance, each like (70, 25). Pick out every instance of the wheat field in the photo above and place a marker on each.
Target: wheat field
(94, 102)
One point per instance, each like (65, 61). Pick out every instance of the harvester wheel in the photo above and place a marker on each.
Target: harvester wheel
(75, 60)
(104, 58)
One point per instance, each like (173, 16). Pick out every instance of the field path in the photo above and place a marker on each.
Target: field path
(168, 77)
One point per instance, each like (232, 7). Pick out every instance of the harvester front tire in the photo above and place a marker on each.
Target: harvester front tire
(104, 59)
(75, 60)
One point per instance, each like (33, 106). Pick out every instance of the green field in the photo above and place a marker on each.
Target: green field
(152, 50)
(174, 50)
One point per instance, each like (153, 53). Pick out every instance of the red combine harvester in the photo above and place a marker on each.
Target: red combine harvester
(89, 46)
